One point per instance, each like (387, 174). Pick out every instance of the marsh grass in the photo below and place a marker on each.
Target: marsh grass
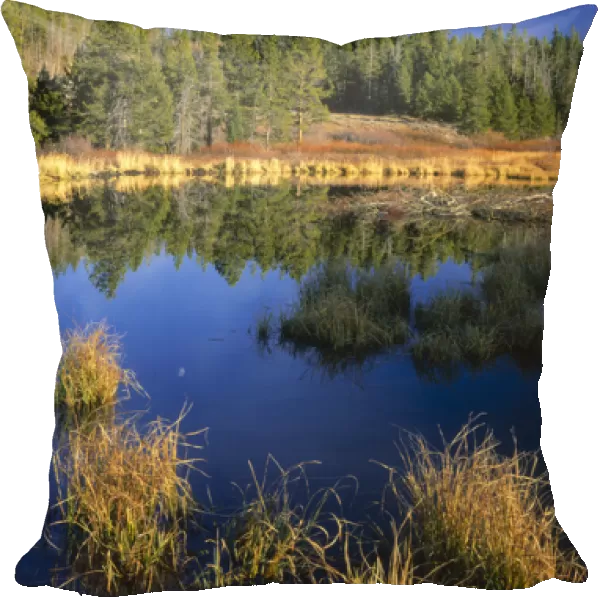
(462, 515)
(504, 316)
(126, 504)
(275, 537)
(265, 329)
(91, 373)
(479, 518)
(350, 311)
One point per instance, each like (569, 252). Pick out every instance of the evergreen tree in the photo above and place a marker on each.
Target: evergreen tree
(544, 122)
(304, 84)
(475, 117)
(526, 123)
(503, 111)
(424, 96)
(213, 98)
(174, 90)
(152, 103)
(48, 107)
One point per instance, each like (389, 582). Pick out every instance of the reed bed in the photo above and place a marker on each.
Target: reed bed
(342, 159)
(463, 515)
(91, 373)
(125, 506)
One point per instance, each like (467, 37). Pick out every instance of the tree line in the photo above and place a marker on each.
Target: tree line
(177, 91)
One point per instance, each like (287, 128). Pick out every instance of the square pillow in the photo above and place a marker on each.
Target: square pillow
(324, 256)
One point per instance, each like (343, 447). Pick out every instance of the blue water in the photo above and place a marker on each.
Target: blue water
(151, 266)
(186, 335)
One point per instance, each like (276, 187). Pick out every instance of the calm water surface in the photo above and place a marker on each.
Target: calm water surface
(184, 275)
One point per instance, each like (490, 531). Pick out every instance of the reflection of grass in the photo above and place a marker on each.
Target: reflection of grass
(126, 504)
(507, 317)
(264, 328)
(350, 311)
(90, 372)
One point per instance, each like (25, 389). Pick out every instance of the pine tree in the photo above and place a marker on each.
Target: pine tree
(213, 97)
(304, 84)
(152, 103)
(544, 123)
(503, 111)
(475, 117)
(425, 94)
(274, 119)
(404, 84)
(49, 107)
(526, 123)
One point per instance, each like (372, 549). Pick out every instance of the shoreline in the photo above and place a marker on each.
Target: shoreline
(495, 165)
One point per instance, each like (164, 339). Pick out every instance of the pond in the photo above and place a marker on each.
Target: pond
(185, 274)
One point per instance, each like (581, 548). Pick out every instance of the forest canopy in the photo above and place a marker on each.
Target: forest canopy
(165, 90)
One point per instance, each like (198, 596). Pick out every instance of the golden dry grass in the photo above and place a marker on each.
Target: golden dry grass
(344, 146)
(276, 538)
(479, 518)
(126, 505)
(90, 373)
(386, 164)
(465, 514)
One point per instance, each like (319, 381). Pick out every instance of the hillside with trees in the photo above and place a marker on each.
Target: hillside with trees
(165, 90)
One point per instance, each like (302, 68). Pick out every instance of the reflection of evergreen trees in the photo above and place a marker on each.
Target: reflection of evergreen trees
(273, 227)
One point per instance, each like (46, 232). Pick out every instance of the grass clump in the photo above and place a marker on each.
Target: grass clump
(125, 503)
(90, 373)
(264, 329)
(274, 537)
(350, 311)
(479, 518)
(505, 315)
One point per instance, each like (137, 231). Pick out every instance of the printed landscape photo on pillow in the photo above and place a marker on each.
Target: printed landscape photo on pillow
(323, 255)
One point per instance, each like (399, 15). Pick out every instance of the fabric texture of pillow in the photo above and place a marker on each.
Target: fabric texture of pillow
(321, 254)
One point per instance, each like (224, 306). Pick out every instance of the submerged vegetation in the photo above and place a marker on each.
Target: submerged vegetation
(463, 515)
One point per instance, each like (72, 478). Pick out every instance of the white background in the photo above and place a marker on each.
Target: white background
(29, 335)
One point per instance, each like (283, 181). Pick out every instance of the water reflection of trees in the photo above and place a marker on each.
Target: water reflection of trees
(115, 232)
